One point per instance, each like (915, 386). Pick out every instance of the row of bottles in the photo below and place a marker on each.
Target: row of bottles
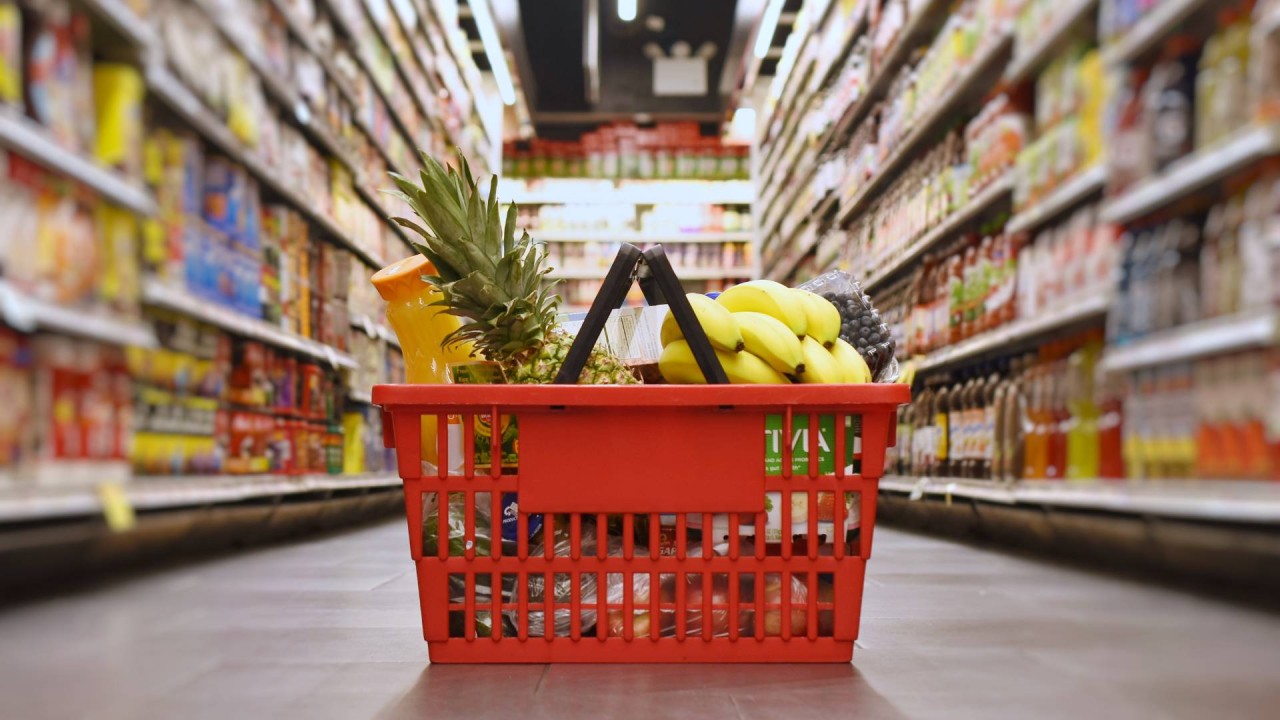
(1041, 416)
(1189, 269)
(1053, 415)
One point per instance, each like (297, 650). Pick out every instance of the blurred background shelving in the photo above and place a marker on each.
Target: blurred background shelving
(193, 203)
(1063, 209)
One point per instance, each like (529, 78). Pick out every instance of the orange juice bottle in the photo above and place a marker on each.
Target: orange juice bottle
(421, 328)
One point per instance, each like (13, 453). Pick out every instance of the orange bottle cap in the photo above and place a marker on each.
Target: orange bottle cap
(403, 277)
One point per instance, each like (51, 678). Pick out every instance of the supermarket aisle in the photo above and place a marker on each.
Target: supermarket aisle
(329, 628)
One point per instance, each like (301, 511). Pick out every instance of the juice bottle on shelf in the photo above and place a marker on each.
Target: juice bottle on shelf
(990, 405)
(1110, 424)
(1229, 273)
(421, 327)
(1056, 420)
(1273, 411)
(923, 441)
(1210, 268)
(1184, 418)
(940, 327)
(969, 294)
(1209, 411)
(982, 291)
(997, 454)
(961, 427)
(1208, 125)
(1082, 433)
(1251, 378)
(1171, 101)
(941, 466)
(1035, 437)
(1255, 247)
(1016, 421)
(956, 428)
(976, 411)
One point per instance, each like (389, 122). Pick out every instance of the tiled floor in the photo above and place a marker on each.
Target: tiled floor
(330, 629)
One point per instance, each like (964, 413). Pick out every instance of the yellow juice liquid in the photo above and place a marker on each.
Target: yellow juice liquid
(421, 329)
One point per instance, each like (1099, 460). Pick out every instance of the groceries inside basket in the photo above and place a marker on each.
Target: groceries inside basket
(687, 590)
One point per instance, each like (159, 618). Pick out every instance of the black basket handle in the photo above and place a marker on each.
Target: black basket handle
(658, 282)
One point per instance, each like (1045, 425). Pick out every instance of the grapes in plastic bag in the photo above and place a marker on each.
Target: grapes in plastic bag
(860, 323)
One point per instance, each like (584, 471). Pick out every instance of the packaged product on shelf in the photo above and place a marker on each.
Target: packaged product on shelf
(11, 54)
(17, 387)
(118, 93)
(58, 79)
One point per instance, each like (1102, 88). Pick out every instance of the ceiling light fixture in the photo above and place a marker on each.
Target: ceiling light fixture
(493, 50)
(768, 24)
(627, 10)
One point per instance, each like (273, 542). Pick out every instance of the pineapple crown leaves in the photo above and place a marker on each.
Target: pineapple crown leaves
(485, 274)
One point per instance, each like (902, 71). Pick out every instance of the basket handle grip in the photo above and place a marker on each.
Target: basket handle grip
(659, 282)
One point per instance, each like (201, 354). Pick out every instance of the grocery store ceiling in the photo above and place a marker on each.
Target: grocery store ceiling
(547, 41)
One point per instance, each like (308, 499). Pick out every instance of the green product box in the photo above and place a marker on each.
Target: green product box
(800, 444)
(486, 373)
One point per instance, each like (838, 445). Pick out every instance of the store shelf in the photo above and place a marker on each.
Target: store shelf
(1029, 61)
(343, 24)
(173, 92)
(682, 273)
(1246, 501)
(981, 74)
(1019, 332)
(28, 314)
(32, 141)
(1154, 27)
(586, 191)
(121, 17)
(1059, 200)
(803, 172)
(279, 89)
(158, 294)
(640, 238)
(1214, 336)
(374, 329)
(919, 26)
(1194, 172)
(785, 266)
(979, 204)
(27, 502)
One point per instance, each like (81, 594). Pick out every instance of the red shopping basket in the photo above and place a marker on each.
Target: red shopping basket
(617, 493)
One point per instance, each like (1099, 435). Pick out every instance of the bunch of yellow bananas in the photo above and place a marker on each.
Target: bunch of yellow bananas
(764, 332)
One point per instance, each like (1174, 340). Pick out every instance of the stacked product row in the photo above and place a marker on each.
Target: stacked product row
(667, 151)
(200, 403)
(981, 249)
(199, 180)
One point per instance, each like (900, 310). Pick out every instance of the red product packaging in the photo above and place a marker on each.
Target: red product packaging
(312, 391)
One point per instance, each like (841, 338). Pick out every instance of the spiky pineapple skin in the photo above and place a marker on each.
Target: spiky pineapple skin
(602, 368)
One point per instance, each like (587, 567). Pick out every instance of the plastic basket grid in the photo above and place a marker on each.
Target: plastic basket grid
(591, 452)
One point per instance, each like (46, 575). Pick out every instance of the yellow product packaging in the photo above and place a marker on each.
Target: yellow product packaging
(10, 53)
(117, 98)
(353, 443)
(120, 284)
(486, 373)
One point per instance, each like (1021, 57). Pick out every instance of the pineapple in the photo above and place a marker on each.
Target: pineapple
(493, 280)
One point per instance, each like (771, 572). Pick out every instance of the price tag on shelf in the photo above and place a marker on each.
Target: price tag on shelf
(116, 508)
(951, 487)
(331, 356)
